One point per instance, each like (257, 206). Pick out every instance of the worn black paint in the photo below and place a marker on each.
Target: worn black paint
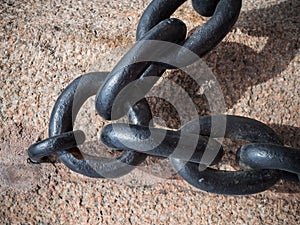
(155, 25)
(170, 30)
(230, 182)
(270, 156)
(226, 182)
(205, 38)
(41, 150)
(239, 127)
(161, 144)
(205, 7)
(157, 11)
(61, 121)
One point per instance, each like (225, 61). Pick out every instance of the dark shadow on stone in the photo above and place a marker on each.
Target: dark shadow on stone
(238, 67)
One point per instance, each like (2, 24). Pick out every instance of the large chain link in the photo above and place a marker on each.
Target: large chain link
(264, 160)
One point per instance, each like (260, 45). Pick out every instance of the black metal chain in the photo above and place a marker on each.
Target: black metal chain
(264, 160)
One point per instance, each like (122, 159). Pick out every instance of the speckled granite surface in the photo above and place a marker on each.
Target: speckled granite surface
(45, 45)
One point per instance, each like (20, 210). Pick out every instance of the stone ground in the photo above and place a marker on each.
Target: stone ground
(46, 44)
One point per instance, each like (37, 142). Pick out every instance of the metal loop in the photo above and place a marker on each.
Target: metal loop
(38, 151)
(132, 137)
(230, 182)
(154, 26)
(203, 39)
(129, 70)
(215, 29)
(226, 182)
(61, 121)
(238, 127)
(270, 156)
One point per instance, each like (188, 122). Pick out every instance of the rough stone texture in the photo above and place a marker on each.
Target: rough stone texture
(45, 45)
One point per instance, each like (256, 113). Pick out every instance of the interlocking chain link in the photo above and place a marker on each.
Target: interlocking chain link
(264, 160)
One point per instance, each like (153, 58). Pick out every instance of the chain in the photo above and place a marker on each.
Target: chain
(193, 148)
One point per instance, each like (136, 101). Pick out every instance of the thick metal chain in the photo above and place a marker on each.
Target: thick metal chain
(264, 160)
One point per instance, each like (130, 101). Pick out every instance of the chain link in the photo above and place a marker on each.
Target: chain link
(264, 160)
